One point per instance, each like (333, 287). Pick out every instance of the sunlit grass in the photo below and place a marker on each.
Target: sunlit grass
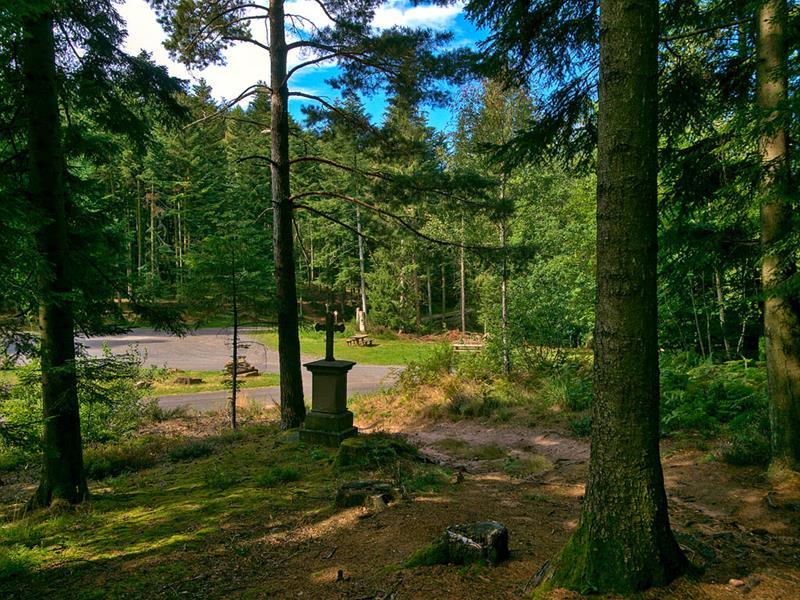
(212, 381)
(385, 351)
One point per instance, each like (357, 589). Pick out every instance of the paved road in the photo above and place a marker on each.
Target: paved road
(209, 350)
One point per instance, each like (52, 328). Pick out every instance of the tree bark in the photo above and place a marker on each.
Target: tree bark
(722, 319)
(781, 312)
(361, 266)
(293, 410)
(504, 299)
(623, 542)
(463, 281)
(235, 353)
(62, 466)
(444, 297)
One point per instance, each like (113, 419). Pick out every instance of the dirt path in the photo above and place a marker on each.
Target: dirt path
(743, 529)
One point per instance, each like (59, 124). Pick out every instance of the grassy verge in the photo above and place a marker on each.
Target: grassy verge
(386, 351)
(8, 377)
(212, 381)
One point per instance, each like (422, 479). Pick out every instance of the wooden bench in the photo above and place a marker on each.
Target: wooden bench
(467, 346)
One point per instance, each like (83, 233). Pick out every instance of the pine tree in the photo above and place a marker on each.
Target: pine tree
(623, 542)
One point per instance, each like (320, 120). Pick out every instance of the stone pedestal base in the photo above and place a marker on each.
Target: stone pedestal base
(328, 422)
(328, 429)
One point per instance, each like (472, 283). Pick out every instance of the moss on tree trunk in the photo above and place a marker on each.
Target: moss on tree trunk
(623, 542)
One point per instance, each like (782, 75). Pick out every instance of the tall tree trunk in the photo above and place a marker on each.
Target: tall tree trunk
(417, 295)
(722, 320)
(152, 272)
(62, 466)
(361, 266)
(235, 353)
(781, 313)
(463, 281)
(623, 542)
(293, 410)
(504, 299)
(444, 297)
(430, 294)
(139, 241)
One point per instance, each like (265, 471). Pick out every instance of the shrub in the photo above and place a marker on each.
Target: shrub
(581, 426)
(111, 404)
(278, 475)
(190, 450)
(568, 389)
(108, 460)
(18, 561)
(708, 397)
(428, 370)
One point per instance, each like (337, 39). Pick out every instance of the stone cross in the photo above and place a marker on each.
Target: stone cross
(329, 327)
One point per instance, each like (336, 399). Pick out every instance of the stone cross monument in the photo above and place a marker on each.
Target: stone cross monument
(328, 422)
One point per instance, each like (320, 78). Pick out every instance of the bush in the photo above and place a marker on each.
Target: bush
(568, 389)
(428, 370)
(18, 561)
(218, 478)
(110, 460)
(581, 426)
(190, 450)
(278, 475)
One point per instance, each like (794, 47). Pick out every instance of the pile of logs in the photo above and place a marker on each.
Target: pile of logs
(244, 368)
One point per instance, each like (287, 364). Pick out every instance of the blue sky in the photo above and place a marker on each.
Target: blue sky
(247, 64)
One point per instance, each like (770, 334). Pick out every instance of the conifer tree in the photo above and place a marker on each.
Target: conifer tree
(69, 64)
(623, 542)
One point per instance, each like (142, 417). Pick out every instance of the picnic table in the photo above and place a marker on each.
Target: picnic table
(360, 339)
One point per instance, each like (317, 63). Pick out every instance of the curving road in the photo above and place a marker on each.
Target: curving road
(209, 350)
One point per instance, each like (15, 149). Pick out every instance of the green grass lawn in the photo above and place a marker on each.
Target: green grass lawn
(386, 351)
(212, 381)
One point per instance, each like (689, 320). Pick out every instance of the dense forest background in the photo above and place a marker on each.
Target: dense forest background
(610, 220)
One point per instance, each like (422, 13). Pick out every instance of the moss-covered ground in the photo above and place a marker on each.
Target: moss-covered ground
(250, 514)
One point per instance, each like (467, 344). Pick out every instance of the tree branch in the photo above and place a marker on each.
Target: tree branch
(332, 220)
(400, 219)
(679, 36)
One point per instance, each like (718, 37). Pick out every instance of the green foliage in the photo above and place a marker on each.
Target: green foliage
(708, 397)
(112, 405)
(581, 426)
(18, 561)
(190, 450)
(277, 475)
(569, 388)
(219, 477)
(430, 369)
(112, 459)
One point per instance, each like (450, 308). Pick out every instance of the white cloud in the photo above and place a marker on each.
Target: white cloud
(404, 14)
